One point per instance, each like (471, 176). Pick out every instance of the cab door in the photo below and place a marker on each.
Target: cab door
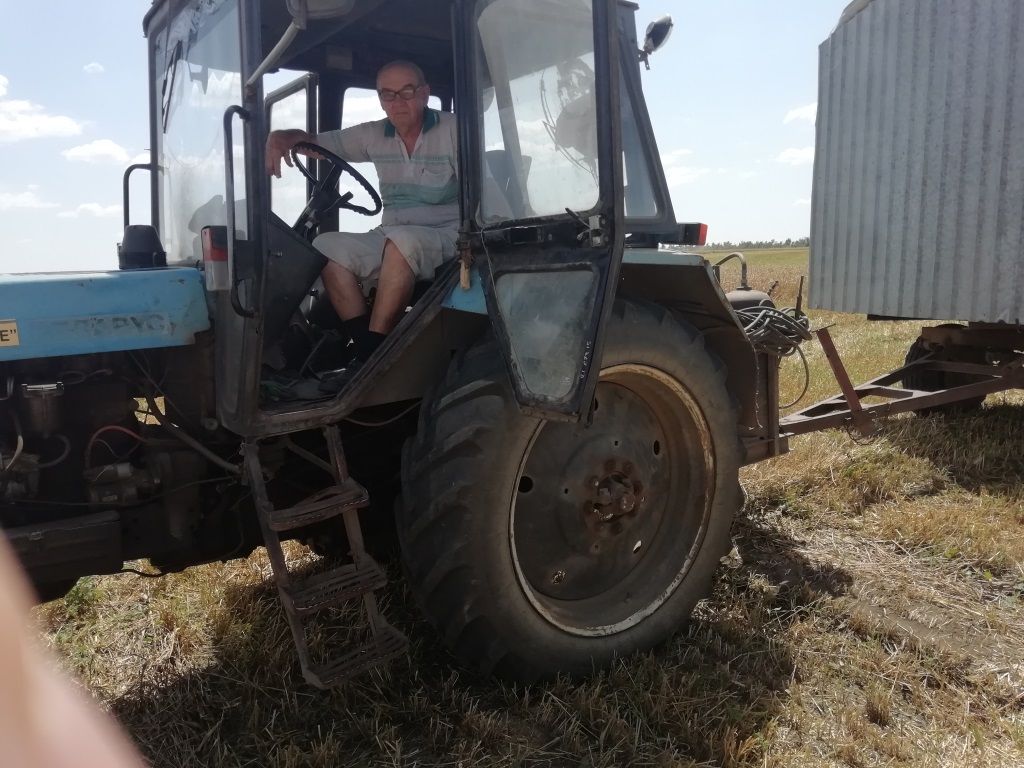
(542, 187)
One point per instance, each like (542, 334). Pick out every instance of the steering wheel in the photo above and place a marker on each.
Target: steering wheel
(325, 194)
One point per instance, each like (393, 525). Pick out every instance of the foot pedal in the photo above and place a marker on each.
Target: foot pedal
(388, 644)
(321, 506)
(336, 587)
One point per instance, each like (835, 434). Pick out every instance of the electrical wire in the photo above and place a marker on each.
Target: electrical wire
(190, 441)
(59, 459)
(778, 332)
(775, 331)
(129, 505)
(82, 377)
(19, 445)
(807, 380)
(109, 428)
(144, 370)
(378, 424)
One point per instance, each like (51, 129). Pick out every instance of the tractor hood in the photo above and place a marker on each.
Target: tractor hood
(79, 313)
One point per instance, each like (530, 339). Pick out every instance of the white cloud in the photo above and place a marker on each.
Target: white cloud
(746, 174)
(360, 109)
(93, 68)
(675, 154)
(290, 112)
(677, 171)
(92, 209)
(24, 120)
(12, 200)
(99, 151)
(807, 113)
(793, 156)
(141, 158)
(802, 202)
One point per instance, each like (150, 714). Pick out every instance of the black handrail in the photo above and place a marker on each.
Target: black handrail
(151, 167)
(229, 202)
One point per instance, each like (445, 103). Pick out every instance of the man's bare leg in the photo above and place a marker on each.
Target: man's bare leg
(394, 289)
(343, 291)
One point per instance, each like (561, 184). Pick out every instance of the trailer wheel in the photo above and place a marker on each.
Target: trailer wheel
(933, 381)
(540, 547)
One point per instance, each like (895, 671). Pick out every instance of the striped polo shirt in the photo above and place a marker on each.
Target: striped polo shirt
(420, 190)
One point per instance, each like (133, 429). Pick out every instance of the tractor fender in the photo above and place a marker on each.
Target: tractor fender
(686, 284)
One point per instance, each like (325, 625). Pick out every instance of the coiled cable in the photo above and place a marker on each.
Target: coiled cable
(778, 332)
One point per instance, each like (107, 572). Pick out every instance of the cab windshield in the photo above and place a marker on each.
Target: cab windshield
(535, 59)
(198, 70)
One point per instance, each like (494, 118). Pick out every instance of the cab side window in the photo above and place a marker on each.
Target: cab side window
(289, 107)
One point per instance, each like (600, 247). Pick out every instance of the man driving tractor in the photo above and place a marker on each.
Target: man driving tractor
(414, 150)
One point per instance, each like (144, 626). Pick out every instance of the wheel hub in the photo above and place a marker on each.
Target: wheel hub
(583, 497)
(606, 518)
(615, 496)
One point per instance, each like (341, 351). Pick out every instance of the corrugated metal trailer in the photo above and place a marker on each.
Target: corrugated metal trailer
(918, 202)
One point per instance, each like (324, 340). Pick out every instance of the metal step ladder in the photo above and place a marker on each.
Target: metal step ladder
(302, 599)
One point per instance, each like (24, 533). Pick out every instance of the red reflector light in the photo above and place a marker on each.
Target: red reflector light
(215, 244)
(215, 257)
(693, 234)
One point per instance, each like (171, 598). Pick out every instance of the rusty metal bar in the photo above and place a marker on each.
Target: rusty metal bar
(896, 394)
(856, 410)
(832, 413)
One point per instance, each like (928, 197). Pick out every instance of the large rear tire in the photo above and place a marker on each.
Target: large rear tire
(539, 547)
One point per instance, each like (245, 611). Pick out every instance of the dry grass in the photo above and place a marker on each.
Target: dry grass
(873, 614)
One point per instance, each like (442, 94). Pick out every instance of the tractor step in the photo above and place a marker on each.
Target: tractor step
(336, 587)
(387, 645)
(321, 506)
(357, 580)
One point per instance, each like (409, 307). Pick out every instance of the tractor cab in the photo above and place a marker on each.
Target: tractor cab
(557, 166)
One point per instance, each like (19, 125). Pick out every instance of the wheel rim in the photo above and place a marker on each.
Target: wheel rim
(606, 521)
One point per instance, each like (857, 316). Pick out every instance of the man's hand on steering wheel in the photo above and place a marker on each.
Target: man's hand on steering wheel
(325, 195)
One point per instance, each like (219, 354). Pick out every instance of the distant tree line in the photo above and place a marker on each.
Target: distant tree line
(728, 245)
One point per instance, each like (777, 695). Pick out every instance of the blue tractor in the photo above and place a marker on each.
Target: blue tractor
(553, 431)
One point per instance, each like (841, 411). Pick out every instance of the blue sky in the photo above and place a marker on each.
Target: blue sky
(731, 97)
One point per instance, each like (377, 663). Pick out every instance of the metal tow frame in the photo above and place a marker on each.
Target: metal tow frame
(849, 409)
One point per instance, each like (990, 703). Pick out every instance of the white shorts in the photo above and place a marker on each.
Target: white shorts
(424, 249)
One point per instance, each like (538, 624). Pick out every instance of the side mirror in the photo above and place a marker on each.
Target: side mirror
(658, 33)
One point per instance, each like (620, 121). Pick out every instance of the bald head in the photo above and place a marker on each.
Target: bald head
(407, 68)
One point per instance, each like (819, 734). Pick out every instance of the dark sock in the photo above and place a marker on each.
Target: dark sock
(356, 327)
(365, 340)
(368, 344)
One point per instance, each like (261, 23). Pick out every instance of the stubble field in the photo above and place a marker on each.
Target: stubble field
(871, 613)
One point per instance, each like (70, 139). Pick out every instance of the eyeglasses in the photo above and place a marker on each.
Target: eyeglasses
(408, 93)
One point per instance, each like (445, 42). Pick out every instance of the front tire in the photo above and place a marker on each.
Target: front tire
(539, 547)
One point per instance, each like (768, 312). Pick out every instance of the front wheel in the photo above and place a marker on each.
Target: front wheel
(539, 547)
